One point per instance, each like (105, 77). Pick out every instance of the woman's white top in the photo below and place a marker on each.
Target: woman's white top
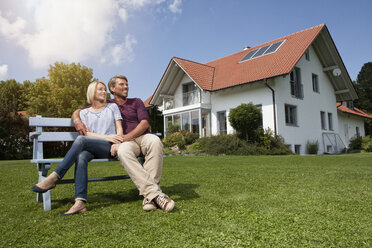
(103, 121)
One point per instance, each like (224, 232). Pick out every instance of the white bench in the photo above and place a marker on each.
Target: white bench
(43, 165)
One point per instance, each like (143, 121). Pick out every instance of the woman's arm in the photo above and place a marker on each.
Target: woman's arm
(113, 138)
(119, 127)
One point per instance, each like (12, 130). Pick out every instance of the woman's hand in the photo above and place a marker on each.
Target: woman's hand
(114, 149)
(113, 138)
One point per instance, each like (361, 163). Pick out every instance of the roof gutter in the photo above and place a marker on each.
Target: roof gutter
(274, 110)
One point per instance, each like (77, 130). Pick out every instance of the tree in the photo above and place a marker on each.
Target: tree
(63, 92)
(246, 120)
(363, 86)
(14, 143)
(10, 95)
(156, 120)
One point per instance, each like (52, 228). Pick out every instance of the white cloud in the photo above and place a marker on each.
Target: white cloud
(123, 14)
(123, 52)
(74, 31)
(175, 7)
(3, 72)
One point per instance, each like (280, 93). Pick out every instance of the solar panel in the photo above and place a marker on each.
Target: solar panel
(260, 51)
(274, 47)
(249, 55)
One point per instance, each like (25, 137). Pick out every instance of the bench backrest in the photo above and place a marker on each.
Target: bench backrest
(38, 137)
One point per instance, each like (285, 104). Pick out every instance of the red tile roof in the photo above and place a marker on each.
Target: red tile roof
(147, 102)
(200, 73)
(354, 111)
(227, 71)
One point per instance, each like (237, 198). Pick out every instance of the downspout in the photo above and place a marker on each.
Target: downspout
(273, 93)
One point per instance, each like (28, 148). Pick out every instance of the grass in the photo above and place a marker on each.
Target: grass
(226, 201)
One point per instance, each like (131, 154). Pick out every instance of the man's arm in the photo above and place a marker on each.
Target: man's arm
(138, 131)
(79, 125)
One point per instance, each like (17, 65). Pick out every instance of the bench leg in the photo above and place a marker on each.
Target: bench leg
(44, 197)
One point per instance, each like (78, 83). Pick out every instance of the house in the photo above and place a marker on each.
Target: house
(295, 80)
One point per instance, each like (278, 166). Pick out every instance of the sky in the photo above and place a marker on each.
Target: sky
(138, 38)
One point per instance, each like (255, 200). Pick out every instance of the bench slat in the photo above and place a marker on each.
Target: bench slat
(50, 122)
(59, 160)
(57, 136)
(95, 179)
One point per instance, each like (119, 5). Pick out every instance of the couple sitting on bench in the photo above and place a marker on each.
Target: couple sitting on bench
(119, 127)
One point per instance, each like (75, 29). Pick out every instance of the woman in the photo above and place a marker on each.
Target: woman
(103, 121)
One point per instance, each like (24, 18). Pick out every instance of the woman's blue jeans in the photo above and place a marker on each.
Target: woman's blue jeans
(83, 150)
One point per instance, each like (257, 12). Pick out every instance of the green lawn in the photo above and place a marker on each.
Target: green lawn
(226, 201)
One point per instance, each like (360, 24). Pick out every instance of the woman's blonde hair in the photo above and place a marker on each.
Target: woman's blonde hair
(92, 90)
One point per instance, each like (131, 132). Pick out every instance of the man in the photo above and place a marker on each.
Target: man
(137, 140)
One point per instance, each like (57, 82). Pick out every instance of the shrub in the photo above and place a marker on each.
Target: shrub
(173, 128)
(367, 144)
(355, 143)
(273, 144)
(228, 145)
(195, 147)
(246, 119)
(180, 139)
(312, 147)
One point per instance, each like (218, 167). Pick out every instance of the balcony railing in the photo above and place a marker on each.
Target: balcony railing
(191, 97)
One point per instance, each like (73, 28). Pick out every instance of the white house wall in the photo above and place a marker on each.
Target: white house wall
(226, 99)
(347, 127)
(308, 108)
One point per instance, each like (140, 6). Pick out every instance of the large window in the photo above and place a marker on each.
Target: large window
(296, 86)
(221, 121)
(206, 120)
(195, 121)
(190, 94)
(186, 121)
(190, 121)
(290, 115)
(315, 83)
(323, 120)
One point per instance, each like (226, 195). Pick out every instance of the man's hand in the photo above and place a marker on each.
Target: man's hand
(114, 149)
(80, 127)
(125, 137)
(113, 138)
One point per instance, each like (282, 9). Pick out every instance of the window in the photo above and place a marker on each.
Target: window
(195, 121)
(296, 86)
(259, 106)
(190, 94)
(323, 120)
(186, 121)
(290, 115)
(307, 55)
(206, 122)
(297, 149)
(330, 121)
(315, 83)
(357, 131)
(222, 124)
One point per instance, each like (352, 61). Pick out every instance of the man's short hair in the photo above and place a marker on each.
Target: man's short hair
(112, 81)
(92, 90)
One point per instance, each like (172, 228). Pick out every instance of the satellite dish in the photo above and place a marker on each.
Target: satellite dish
(336, 72)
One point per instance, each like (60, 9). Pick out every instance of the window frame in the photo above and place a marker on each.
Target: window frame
(323, 121)
(315, 83)
(307, 55)
(330, 121)
(224, 131)
(296, 88)
(291, 117)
